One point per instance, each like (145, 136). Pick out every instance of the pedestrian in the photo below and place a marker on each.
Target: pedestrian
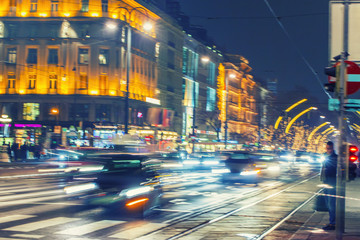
(23, 152)
(15, 150)
(328, 176)
(9, 151)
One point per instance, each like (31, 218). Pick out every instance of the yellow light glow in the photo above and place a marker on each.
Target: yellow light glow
(114, 16)
(23, 14)
(43, 15)
(22, 91)
(94, 92)
(95, 14)
(112, 92)
(295, 105)
(316, 129)
(296, 117)
(67, 14)
(278, 122)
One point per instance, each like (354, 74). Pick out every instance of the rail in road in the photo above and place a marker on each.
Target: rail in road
(41, 211)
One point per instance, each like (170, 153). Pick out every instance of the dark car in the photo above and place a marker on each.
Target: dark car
(250, 167)
(129, 184)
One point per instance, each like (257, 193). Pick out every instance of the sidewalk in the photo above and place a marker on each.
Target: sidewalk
(312, 228)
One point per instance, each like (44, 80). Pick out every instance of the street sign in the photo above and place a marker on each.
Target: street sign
(351, 105)
(353, 77)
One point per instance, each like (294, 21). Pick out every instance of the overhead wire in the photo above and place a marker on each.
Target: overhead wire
(302, 56)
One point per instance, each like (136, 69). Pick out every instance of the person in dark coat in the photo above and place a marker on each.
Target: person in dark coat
(328, 176)
(15, 150)
(23, 152)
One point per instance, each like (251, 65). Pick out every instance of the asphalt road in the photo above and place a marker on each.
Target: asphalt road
(196, 205)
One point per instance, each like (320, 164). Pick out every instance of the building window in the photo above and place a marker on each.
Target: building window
(210, 99)
(83, 56)
(11, 55)
(33, 5)
(31, 111)
(211, 74)
(79, 112)
(102, 112)
(53, 56)
(32, 81)
(190, 63)
(11, 80)
(103, 82)
(83, 81)
(53, 81)
(104, 57)
(84, 5)
(54, 5)
(104, 6)
(32, 56)
(171, 59)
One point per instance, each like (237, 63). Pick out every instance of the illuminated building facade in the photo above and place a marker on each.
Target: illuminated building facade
(236, 93)
(200, 63)
(71, 55)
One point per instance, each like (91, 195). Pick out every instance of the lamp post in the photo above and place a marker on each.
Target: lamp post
(147, 27)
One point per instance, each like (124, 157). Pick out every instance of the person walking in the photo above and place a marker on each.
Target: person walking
(328, 176)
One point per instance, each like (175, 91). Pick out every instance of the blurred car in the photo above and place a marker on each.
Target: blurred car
(250, 167)
(129, 184)
(302, 156)
(203, 159)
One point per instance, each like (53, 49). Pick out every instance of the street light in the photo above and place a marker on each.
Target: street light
(147, 27)
(297, 116)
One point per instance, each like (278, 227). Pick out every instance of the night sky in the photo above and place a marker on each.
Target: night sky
(247, 27)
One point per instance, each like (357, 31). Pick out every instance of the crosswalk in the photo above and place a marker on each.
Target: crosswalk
(39, 209)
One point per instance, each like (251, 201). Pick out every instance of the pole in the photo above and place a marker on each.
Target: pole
(128, 65)
(226, 109)
(340, 181)
(194, 120)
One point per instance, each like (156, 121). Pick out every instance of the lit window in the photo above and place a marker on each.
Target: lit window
(11, 80)
(11, 55)
(104, 5)
(53, 81)
(32, 56)
(84, 5)
(54, 5)
(104, 57)
(83, 56)
(211, 73)
(210, 99)
(33, 5)
(53, 56)
(32, 81)
(31, 111)
(83, 81)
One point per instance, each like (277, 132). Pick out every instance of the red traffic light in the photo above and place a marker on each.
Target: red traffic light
(353, 149)
(353, 158)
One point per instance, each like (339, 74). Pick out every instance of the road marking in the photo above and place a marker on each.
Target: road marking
(135, 232)
(27, 201)
(15, 218)
(28, 227)
(28, 236)
(91, 227)
(34, 194)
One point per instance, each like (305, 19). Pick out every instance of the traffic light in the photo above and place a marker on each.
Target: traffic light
(352, 153)
(350, 165)
(333, 74)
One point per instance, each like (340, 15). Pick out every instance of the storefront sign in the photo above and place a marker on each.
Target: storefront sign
(153, 100)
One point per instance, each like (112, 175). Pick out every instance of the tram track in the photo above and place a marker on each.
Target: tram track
(236, 200)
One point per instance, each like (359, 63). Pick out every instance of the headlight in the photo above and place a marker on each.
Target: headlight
(132, 192)
(305, 157)
(322, 158)
(80, 188)
(247, 173)
(288, 157)
(210, 162)
(62, 157)
(274, 168)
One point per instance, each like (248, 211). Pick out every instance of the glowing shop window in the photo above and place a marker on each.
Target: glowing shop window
(31, 111)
